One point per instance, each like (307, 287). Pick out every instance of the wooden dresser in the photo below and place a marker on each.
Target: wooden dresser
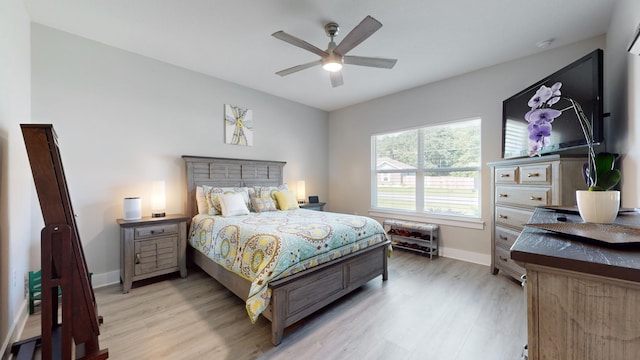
(519, 185)
(583, 298)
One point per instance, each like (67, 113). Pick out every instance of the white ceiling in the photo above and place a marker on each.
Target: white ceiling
(231, 40)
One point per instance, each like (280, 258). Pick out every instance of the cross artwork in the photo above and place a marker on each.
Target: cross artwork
(238, 125)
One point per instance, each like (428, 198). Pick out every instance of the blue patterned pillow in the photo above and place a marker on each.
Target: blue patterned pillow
(262, 204)
(261, 191)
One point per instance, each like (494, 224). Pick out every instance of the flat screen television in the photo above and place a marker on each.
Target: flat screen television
(582, 81)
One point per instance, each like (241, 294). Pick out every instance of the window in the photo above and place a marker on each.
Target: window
(432, 170)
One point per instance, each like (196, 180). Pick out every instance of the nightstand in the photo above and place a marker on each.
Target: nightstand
(152, 246)
(313, 206)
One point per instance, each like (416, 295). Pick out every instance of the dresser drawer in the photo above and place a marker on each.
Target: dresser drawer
(506, 175)
(539, 174)
(505, 237)
(515, 218)
(503, 262)
(523, 196)
(144, 232)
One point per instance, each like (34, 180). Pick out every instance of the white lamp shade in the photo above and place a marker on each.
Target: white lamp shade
(302, 194)
(158, 198)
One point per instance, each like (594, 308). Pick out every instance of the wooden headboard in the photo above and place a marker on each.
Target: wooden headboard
(222, 172)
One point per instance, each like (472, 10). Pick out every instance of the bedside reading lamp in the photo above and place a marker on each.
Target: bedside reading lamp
(301, 191)
(158, 199)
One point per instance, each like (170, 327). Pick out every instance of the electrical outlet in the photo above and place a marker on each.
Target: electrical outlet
(26, 286)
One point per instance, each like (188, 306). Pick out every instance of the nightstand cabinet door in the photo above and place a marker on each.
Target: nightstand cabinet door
(155, 255)
(152, 247)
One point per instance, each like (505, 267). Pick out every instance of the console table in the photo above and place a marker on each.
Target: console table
(583, 298)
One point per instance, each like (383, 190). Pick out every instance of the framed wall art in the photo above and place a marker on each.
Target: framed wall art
(238, 125)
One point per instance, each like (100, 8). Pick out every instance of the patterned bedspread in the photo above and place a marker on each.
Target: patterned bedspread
(266, 246)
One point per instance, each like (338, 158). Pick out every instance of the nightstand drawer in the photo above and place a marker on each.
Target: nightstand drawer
(155, 230)
(539, 174)
(520, 195)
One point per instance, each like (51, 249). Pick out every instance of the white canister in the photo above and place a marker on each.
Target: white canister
(132, 208)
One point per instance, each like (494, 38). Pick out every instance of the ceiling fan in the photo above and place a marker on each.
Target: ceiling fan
(335, 56)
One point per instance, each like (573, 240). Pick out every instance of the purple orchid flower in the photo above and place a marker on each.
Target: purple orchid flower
(540, 98)
(542, 115)
(555, 94)
(539, 131)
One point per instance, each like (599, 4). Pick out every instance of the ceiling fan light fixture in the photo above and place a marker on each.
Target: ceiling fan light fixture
(332, 66)
(332, 62)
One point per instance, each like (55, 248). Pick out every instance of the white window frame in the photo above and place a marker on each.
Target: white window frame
(473, 222)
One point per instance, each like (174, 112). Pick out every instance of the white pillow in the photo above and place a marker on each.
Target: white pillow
(203, 207)
(233, 204)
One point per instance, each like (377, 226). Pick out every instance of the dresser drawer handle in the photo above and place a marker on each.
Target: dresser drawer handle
(137, 258)
(535, 198)
(502, 237)
(153, 232)
(533, 174)
(503, 258)
(505, 175)
(503, 195)
(502, 216)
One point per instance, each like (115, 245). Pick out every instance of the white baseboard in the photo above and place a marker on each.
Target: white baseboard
(468, 256)
(15, 330)
(105, 279)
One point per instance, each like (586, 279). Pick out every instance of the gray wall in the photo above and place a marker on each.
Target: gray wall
(123, 120)
(476, 94)
(622, 90)
(16, 243)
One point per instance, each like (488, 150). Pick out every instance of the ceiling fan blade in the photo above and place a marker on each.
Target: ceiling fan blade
(370, 61)
(296, 68)
(299, 43)
(360, 33)
(336, 78)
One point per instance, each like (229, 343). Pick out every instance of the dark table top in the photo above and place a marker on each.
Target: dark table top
(542, 247)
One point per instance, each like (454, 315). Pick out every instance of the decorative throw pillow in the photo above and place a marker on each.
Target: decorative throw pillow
(232, 204)
(262, 204)
(212, 195)
(203, 208)
(286, 200)
(261, 191)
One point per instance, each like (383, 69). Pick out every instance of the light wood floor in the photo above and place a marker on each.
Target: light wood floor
(438, 309)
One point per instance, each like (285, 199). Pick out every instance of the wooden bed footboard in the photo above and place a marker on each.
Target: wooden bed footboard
(297, 296)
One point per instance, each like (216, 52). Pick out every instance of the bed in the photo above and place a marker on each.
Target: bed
(297, 291)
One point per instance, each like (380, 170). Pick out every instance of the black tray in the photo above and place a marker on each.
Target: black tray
(612, 234)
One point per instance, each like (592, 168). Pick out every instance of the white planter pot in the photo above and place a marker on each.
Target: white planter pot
(599, 207)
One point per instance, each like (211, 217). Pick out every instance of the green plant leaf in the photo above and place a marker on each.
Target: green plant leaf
(610, 179)
(607, 176)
